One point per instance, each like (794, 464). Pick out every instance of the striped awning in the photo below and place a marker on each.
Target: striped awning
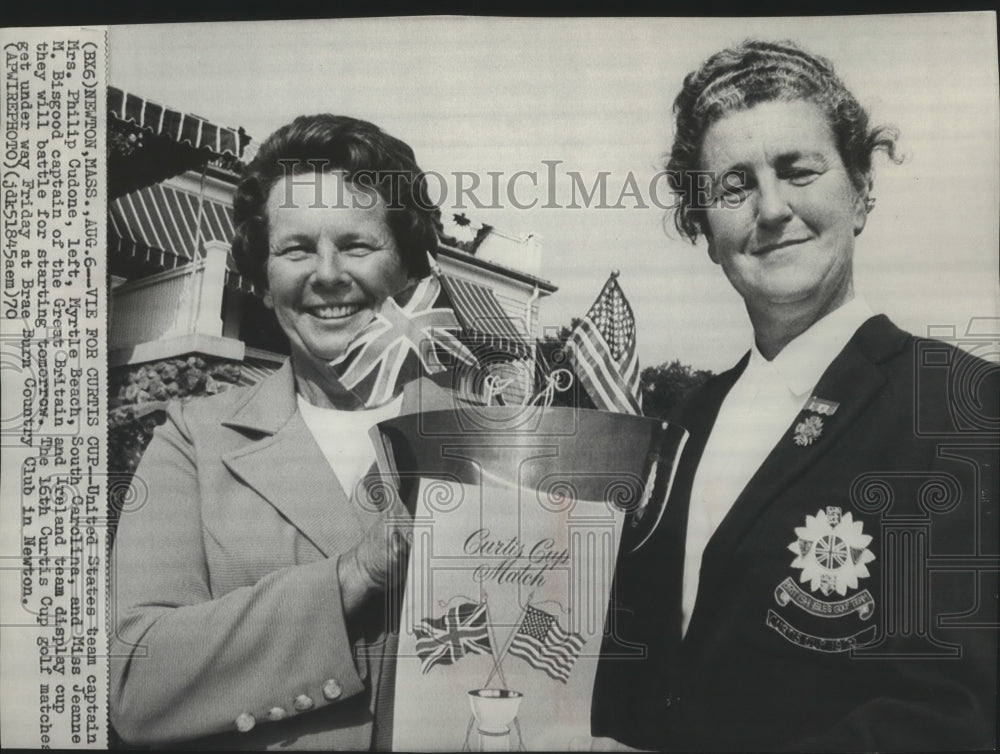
(160, 224)
(181, 127)
(254, 370)
(482, 317)
(148, 143)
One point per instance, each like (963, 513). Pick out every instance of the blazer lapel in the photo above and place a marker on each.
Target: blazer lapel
(852, 380)
(662, 557)
(697, 417)
(288, 469)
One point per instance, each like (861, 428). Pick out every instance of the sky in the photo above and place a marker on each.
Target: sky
(504, 95)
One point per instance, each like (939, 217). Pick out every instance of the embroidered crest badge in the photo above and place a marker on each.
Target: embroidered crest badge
(832, 551)
(807, 430)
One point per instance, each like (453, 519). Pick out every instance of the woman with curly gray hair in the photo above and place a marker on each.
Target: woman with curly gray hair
(787, 600)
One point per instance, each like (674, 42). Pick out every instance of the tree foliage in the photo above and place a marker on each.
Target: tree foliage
(561, 335)
(664, 385)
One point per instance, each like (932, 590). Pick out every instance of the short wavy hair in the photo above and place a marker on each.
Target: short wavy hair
(369, 157)
(748, 74)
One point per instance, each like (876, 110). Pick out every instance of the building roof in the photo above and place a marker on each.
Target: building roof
(450, 251)
(148, 142)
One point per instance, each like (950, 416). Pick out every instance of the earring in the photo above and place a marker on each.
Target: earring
(869, 204)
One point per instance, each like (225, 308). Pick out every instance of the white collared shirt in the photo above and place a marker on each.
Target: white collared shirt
(753, 418)
(343, 437)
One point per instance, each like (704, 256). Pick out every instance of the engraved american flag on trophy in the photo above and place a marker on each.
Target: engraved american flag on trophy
(544, 645)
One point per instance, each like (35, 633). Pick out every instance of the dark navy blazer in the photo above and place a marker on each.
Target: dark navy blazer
(906, 658)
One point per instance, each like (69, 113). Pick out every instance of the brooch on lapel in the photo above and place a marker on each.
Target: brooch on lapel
(832, 553)
(810, 428)
(807, 430)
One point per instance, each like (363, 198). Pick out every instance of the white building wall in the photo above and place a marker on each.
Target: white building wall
(519, 252)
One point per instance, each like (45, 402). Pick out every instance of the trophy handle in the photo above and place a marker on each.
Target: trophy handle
(661, 468)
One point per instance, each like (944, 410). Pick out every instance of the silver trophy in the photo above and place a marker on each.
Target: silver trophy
(559, 492)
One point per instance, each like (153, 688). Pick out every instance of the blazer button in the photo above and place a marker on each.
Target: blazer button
(245, 722)
(332, 690)
(276, 713)
(303, 703)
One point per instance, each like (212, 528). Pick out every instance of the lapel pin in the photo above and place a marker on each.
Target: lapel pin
(807, 430)
(822, 406)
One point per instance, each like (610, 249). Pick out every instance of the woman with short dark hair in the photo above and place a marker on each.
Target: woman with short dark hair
(367, 156)
(253, 589)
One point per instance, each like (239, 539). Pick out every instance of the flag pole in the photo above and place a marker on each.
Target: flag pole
(510, 640)
(497, 669)
(520, 618)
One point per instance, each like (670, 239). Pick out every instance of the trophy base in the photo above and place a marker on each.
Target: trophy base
(495, 711)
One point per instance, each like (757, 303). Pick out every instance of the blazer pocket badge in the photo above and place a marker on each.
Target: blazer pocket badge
(832, 553)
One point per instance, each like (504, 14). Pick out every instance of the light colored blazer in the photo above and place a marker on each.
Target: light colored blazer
(226, 597)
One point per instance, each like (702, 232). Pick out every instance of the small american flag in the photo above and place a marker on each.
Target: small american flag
(603, 350)
(459, 632)
(375, 363)
(545, 645)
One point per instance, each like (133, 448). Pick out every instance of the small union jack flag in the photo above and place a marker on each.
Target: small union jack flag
(395, 337)
(459, 632)
(544, 645)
